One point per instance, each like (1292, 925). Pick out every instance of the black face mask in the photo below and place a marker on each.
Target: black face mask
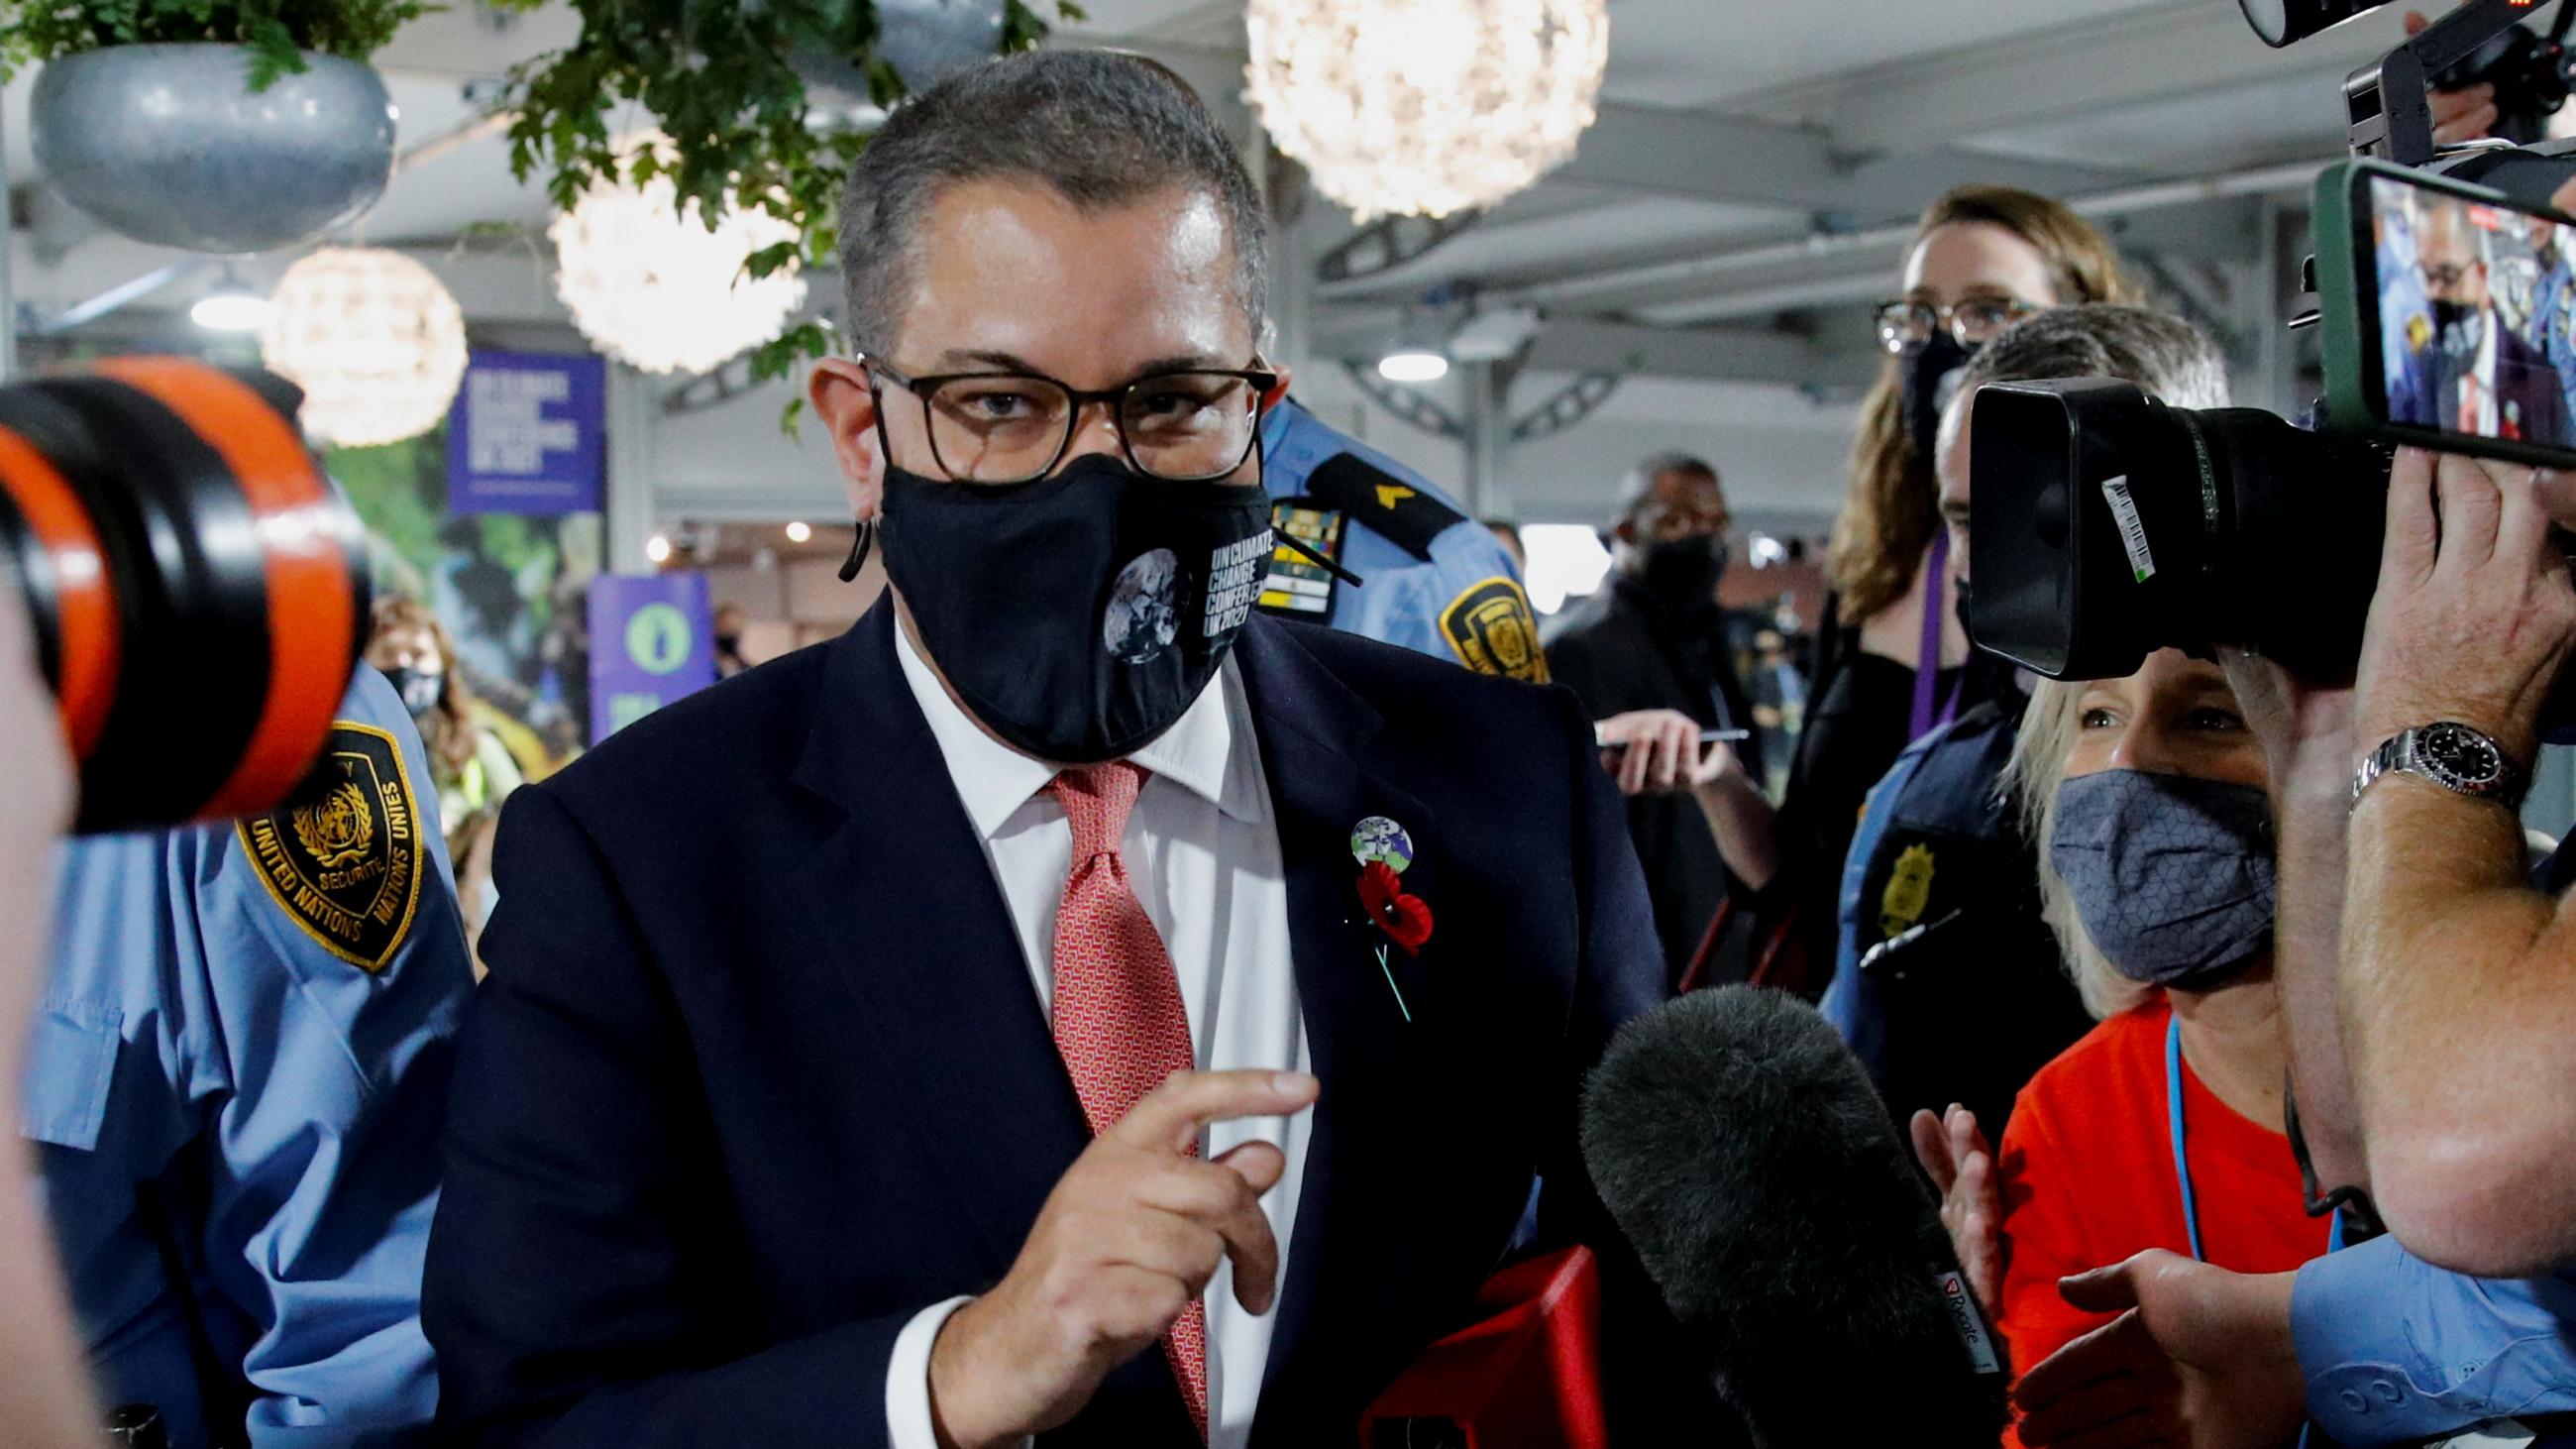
(1927, 376)
(420, 689)
(1682, 574)
(728, 643)
(1077, 616)
(2460, 328)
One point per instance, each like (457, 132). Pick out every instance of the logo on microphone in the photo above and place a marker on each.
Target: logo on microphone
(1970, 1323)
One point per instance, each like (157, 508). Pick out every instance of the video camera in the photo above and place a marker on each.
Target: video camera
(2107, 525)
(197, 586)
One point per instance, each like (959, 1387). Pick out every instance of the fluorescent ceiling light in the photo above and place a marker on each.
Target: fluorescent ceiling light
(230, 309)
(1413, 365)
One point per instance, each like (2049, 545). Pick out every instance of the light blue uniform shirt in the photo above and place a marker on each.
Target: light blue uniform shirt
(269, 1061)
(2395, 1350)
(1433, 579)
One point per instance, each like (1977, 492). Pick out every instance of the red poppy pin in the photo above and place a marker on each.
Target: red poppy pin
(1404, 918)
(1383, 851)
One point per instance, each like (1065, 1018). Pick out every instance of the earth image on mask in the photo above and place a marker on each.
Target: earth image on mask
(1140, 622)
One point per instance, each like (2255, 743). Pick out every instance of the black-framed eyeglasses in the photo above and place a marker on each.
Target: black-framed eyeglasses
(1974, 322)
(1184, 426)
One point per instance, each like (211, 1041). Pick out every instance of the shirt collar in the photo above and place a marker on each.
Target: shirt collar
(1197, 753)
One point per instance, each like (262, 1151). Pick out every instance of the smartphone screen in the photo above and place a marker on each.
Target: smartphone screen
(2476, 314)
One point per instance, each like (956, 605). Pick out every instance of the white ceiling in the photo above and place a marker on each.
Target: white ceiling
(1729, 127)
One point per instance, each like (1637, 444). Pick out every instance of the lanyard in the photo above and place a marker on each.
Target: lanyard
(2182, 1162)
(1927, 658)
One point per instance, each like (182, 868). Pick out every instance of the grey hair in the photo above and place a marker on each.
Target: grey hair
(1638, 488)
(2171, 359)
(1100, 128)
(2176, 363)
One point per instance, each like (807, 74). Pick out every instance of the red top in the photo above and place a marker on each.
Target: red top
(2088, 1178)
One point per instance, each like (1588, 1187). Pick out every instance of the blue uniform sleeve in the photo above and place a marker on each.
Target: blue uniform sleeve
(1403, 598)
(1852, 1003)
(323, 1156)
(2395, 1350)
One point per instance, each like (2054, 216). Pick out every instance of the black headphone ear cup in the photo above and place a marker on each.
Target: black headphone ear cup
(863, 539)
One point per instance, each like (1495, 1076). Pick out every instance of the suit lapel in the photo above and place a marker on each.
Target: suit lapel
(908, 911)
(1346, 1269)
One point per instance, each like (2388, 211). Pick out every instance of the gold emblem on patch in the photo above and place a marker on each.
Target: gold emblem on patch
(343, 858)
(338, 830)
(1492, 631)
(1909, 890)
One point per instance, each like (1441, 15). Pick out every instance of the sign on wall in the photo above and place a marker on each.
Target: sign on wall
(652, 640)
(529, 434)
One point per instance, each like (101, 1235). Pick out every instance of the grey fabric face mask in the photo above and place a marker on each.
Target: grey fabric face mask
(2173, 875)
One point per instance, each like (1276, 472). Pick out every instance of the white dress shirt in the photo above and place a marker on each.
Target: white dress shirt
(1202, 850)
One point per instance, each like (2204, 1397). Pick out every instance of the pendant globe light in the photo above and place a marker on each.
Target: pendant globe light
(652, 286)
(1426, 107)
(373, 338)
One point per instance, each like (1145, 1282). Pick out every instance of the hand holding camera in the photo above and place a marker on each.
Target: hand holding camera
(2474, 615)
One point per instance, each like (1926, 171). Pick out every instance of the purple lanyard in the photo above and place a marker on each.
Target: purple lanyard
(1927, 660)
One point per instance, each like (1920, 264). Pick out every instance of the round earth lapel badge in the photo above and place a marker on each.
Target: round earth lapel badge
(1378, 838)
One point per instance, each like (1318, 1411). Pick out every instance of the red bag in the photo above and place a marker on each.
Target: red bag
(1525, 1376)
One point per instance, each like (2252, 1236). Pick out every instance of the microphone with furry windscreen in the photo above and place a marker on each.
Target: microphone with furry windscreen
(1746, 1157)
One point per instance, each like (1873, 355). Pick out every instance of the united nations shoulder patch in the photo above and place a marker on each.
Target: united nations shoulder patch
(343, 858)
(1492, 631)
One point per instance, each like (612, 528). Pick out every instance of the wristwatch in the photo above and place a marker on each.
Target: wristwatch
(2452, 755)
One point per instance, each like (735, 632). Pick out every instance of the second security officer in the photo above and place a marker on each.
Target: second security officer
(236, 1080)
(1432, 579)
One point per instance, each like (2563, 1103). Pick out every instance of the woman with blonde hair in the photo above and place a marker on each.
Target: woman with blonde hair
(2165, 1125)
(1892, 659)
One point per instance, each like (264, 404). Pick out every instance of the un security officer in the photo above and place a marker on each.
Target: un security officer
(1432, 579)
(236, 1082)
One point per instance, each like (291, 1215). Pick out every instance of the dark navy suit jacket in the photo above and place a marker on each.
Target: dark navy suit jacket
(2529, 393)
(759, 1072)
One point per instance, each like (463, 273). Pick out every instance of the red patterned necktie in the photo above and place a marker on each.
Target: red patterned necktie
(1119, 1022)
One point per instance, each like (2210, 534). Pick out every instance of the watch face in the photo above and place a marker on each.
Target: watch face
(2470, 760)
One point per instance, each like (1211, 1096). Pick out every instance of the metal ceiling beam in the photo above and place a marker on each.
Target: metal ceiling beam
(2206, 217)
(2159, 52)
(1579, 344)
(1704, 156)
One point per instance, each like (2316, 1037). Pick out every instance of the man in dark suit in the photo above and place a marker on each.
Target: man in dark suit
(2465, 371)
(911, 1041)
(1648, 657)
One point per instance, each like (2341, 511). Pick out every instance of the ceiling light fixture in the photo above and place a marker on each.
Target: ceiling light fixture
(654, 287)
(374, 339)
(1413, 364)
(1426, 107)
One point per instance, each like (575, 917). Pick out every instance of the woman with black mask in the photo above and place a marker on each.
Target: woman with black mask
(1892, 656)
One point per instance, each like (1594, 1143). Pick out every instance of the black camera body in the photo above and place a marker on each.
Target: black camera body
(2107, 525)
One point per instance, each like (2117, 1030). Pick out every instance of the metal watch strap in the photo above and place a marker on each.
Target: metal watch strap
(2399, 753)
(2380, 761)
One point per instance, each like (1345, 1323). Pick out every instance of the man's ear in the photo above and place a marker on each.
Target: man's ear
(839, 391)
(1278, 391)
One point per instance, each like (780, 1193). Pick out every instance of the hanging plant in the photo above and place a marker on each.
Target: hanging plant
(726, 82)
(275, 31)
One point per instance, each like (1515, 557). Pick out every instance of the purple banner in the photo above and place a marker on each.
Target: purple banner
(529, 434)
(652, 640)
